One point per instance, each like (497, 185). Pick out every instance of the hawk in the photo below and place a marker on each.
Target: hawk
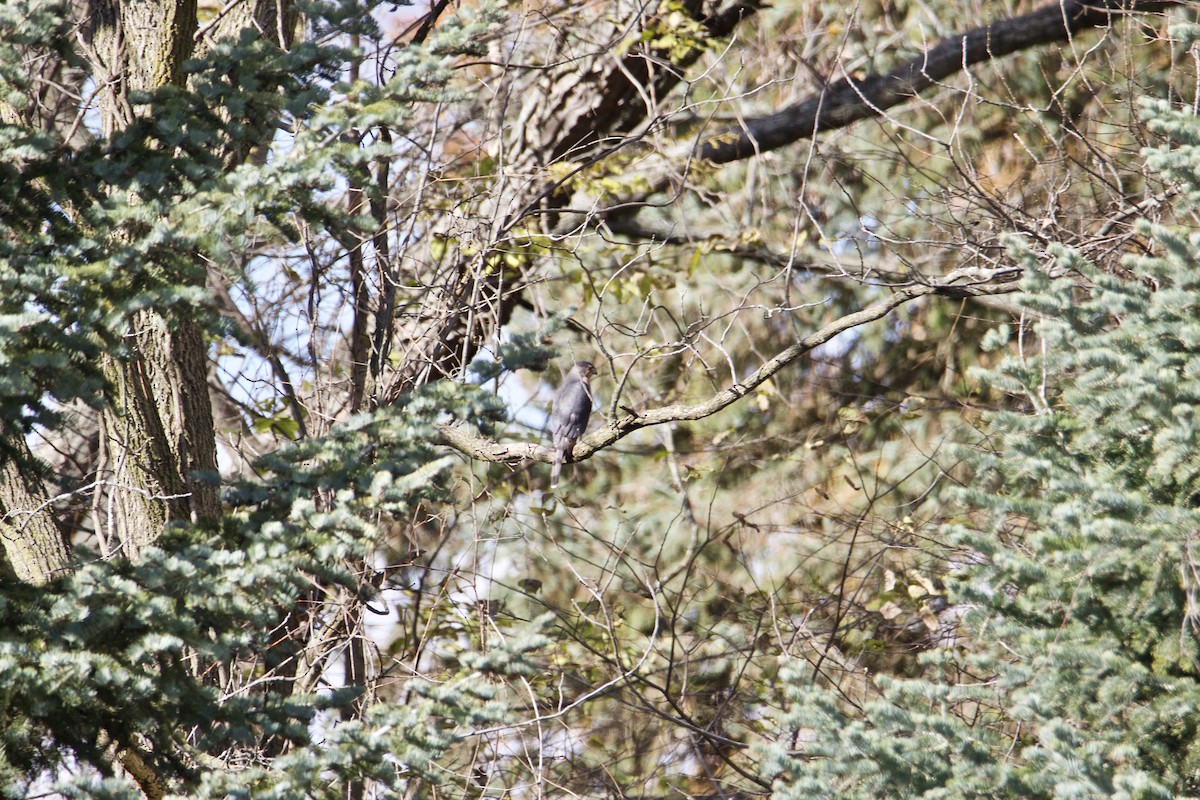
(572, 407)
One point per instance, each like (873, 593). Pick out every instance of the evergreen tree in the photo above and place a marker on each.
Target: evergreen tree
(166, 667)
(1077, 670)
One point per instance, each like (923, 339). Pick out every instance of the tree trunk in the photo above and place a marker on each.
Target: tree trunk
(157, 444)
(157, 435)
(157, 429)
(34, 548)
(136, 47)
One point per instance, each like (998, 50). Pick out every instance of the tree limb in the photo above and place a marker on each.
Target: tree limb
(960, 283)
(847, 100)
(842, 102)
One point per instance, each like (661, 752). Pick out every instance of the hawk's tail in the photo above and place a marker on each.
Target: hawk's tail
(557, 468)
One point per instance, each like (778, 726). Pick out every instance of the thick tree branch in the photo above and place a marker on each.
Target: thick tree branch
(845, 101)
(961, 283)
(582, 106)
(619, 102)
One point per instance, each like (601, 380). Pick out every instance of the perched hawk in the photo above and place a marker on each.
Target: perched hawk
(572, 407)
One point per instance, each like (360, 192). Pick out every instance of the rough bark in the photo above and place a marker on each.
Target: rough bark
(157, 434)
(157, 430)
(158, 443)
(590, 100)
(274, 20)
(34, 548)
(136, 47)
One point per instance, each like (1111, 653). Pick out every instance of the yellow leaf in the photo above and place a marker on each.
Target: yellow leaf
(923, 581)
(850, 414)
(890, 610)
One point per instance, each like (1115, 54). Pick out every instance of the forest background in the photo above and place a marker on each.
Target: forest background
(889, 490)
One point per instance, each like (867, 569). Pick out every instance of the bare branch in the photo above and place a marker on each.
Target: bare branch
(960, 283)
